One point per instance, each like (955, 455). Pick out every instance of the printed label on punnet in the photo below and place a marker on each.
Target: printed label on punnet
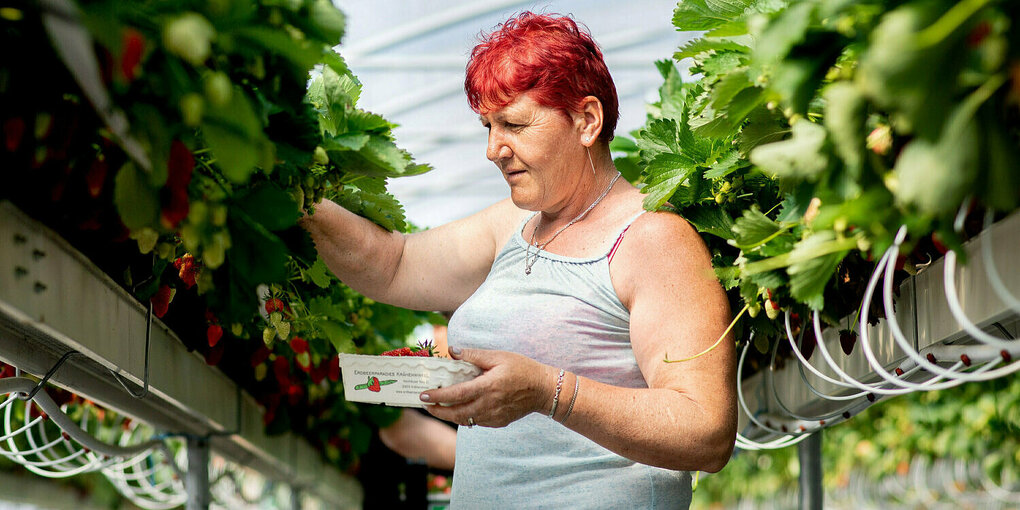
(398, 381)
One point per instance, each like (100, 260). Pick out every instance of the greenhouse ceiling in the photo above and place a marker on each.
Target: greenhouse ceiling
(410, 56)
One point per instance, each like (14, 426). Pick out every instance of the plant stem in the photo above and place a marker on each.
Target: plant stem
(717, 342)
(949, 22)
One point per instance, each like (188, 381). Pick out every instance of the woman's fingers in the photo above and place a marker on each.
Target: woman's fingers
(511, 387)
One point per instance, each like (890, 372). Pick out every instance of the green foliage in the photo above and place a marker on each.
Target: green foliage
(857, 116)
(226, 146)
(884, 440)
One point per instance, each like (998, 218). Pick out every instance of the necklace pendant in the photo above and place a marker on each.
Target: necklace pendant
(527, 270)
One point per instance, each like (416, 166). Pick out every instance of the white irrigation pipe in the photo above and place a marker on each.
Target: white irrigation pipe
(953, 300)
(894, 328)
(992, 271)
(783, 441)
(25, 385)
(770, 381)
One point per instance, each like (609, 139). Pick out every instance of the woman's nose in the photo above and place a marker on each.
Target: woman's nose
(497, 148)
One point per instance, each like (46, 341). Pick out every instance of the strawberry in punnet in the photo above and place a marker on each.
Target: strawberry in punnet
(403, 351)
(161, 300)
(424, 349)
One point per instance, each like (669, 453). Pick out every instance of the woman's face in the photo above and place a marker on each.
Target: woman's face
(538, 149)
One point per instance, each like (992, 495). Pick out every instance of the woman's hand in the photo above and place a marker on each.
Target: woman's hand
(511, 386)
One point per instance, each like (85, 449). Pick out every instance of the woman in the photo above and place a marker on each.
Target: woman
(569, 318)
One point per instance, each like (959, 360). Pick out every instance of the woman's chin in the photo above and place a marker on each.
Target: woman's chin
(523, 200)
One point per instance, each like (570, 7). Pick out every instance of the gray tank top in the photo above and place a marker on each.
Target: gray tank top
(566, 314)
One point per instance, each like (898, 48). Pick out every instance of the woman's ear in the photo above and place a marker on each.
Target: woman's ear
(589, 120)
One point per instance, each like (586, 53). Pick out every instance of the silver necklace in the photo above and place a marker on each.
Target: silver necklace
(529, 259)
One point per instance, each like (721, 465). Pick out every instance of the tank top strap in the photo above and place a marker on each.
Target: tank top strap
(619, 238)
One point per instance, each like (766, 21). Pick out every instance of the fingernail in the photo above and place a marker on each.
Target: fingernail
(424, 397)
(455, 351)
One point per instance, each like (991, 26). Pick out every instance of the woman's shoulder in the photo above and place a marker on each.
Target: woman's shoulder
(498, 221)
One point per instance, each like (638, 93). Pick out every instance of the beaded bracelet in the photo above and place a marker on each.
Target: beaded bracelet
(556, 396)
(577, 386)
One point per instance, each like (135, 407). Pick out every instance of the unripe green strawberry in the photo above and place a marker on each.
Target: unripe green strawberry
(190, 236)
(218, 88)
(298, 194)
(237, 329)
(165, 251)
(192, 108)
(304, 360)
(771, 310)
(189, 36)
(275, 318)
(213, 255)
(283, 330)
(146, 238)
(261, 370)
(43, 125)
(753, 309)
(320, 156)
(267, 335)
(218, 215)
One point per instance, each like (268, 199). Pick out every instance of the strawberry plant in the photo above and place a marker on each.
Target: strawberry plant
(190, 195)
(815, 130)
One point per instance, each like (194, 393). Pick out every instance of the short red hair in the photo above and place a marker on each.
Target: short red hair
(546, 55)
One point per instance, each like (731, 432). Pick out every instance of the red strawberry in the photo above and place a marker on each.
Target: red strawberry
(299, 345)
(334, 369)
(161, 300)
(808, 343)
(214, 355)
(274, 304)
(294, 393)
(180, 164)
(938, 244)
(96, 176)
(14, 131)
(304, 360)
(319, 372)
(847, 340)
(403, 351)
(374, 385)
(133, 46)
(281, 368)
(261, 354)
(213, 334)
(187, 269)
(978, 34)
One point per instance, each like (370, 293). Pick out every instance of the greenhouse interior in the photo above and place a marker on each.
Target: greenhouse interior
(234, 235)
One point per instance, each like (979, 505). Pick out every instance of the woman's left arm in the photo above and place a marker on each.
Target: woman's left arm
(686, 419)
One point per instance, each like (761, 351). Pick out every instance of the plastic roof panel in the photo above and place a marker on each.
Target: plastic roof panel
(410, 56)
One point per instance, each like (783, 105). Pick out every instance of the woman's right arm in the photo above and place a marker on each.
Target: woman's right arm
(436, 269)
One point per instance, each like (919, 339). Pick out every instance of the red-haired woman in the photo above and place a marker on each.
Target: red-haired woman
(567, 295)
